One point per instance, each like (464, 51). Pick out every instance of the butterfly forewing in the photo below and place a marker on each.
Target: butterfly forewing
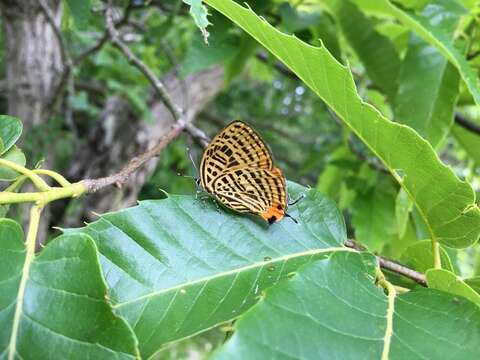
(237, 168)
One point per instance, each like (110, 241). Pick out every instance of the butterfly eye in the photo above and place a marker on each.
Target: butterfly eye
(238, 169)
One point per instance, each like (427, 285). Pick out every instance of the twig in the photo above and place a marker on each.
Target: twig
(121, 177)
(391, 265)
(467, 124)
(135, 61)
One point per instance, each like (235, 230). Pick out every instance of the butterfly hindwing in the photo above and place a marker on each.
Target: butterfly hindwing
(237, 168)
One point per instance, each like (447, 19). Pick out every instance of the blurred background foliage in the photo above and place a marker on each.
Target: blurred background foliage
(307, 141)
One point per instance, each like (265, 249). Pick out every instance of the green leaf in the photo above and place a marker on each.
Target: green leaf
(199, 14)
(376, 52)
(447, 281)
(419, 257)
(403, 207)
(179, 266)
(445, 203)
(331, 309)
(62, 310)
(222, 48)
(427, 92)
(474, 283)
(469, 141)
(10, 131)
(15, 155)
(373, 216)
(235, 65)
(294, 20)
(80, 11)
(436, 25)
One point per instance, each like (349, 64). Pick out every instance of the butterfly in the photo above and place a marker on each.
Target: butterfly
(237, 168)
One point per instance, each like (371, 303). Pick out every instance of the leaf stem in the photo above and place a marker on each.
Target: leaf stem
(54, 175)
(36, 180)
(44, 197)
(35, 212)
(391, 293)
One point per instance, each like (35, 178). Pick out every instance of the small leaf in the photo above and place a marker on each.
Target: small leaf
(419, 257)
(199, 14)
(15, 155)
(447, 281)
(10, 131)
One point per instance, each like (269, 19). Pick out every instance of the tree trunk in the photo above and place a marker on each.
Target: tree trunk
(33, 58)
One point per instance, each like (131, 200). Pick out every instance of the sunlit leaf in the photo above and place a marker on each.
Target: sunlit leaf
(180, 264)
(445, 203)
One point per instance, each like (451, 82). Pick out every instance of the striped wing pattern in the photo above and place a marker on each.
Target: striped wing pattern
(237, 168)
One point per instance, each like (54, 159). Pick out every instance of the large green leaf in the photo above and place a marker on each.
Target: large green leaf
(10, 131)
(436, 24)
(376, 51)
(179, 266)
(446, 204)
(332, 309)
(54, 305)
(427, 92)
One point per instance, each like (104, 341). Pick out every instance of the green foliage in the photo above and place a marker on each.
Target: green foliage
(200, 266)
(181, 276)
(331, 298)
(62, 301)
(80, 10)
(445, 203)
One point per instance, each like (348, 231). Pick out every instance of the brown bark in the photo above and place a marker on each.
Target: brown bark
(118, 136)
(33, 58)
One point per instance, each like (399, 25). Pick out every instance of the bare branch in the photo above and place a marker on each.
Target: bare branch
(391, 265)
(135, 61)
(121, 177)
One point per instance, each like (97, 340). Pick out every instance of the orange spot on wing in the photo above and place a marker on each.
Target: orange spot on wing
(273, 214)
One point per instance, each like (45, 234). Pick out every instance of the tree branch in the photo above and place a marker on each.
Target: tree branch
(121, 177)
(135, 61)
(395, 267)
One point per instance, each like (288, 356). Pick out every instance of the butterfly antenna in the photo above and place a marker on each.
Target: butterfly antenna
(291, 217)
(191, 159)
(301, 197)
